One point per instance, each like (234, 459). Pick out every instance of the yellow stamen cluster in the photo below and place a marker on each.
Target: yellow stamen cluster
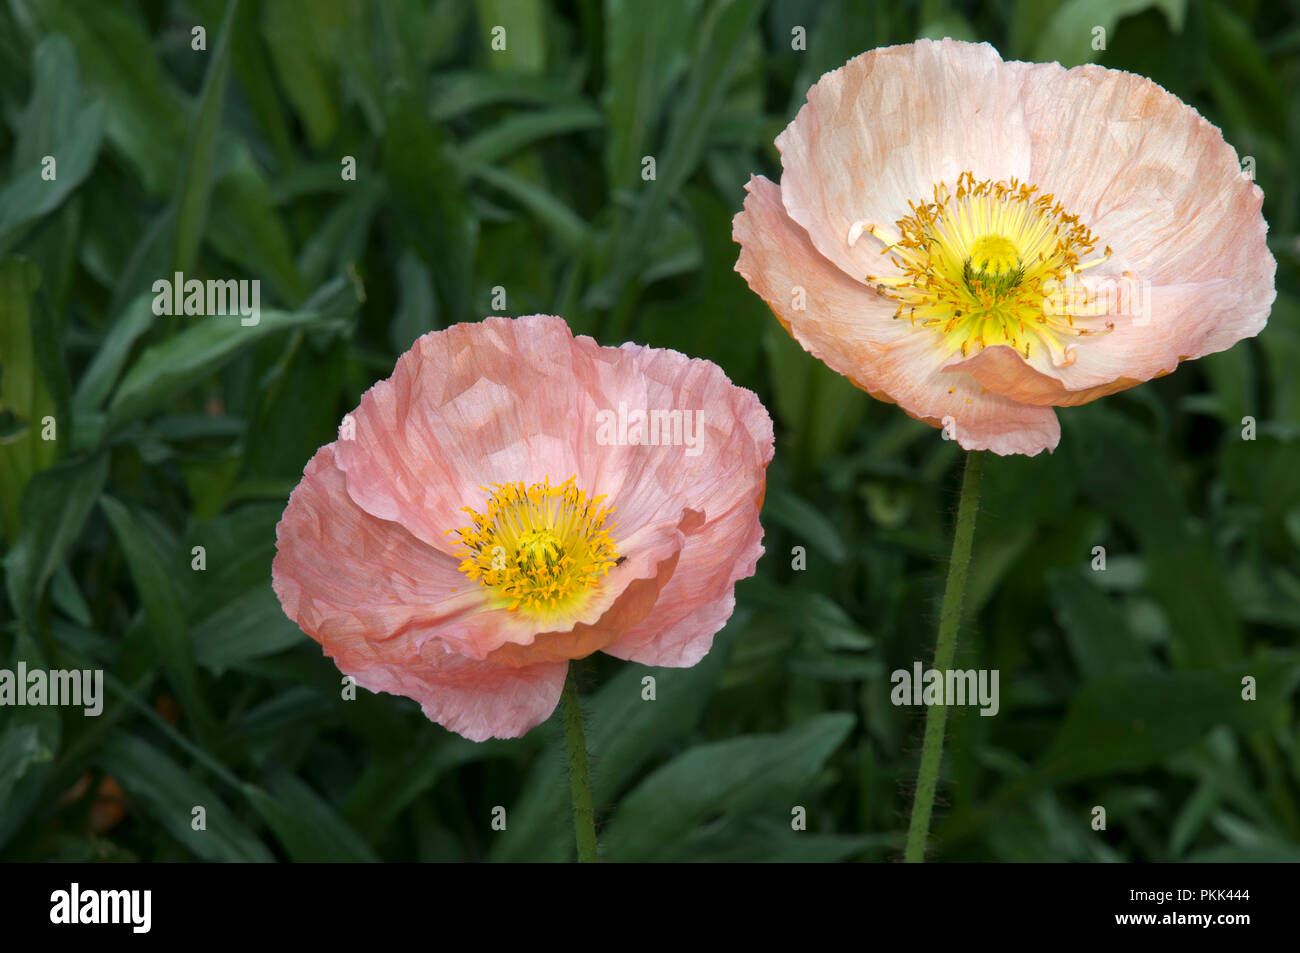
(984, 264)
(541, 547)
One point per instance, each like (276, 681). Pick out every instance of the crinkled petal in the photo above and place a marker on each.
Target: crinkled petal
(368, 567)
(349, 579)
(479, 700)
(476, 404)
(851, 328)
(699, 598)
(725, 438)
(1160, 186)
(880, 131)
(1002, 370)
(724, 480)
(720, 474)
(1190, 273)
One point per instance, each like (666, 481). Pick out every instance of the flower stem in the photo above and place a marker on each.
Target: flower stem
(936, 716)
(584, 817)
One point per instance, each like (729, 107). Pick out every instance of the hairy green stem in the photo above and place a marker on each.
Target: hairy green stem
(584, 817)
(936, 716)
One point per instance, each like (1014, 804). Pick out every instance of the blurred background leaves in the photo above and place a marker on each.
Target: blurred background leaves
(484, 172)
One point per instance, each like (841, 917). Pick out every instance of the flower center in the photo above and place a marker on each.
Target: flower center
(986, 265)
(540, 547)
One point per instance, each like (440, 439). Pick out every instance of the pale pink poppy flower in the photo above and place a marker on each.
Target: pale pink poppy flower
(981, 241)
(513, 498)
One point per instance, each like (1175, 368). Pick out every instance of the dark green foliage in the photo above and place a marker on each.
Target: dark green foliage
(523, 169)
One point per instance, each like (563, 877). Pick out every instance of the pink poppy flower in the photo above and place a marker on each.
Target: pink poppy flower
(980, 241)
(514, 497)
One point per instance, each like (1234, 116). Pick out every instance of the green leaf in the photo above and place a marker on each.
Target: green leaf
(67, 597)
(52, 126)
(819, 407)
(24, 393)
(239, 546)
(341, 238)
(245, 228)
(1263, 471)
(1123, 477)
(150, 253)
(806, 522)
(308, 827)
(112, 354)
(51, 111)
(524, 22)
(646, 50)
(195, 183)
(1099, 636)
(31, 739)
(391, 783)
(54, 509)
(523, 130)
(457, 92)
(310, 378)
(430, 201)
(147, 120)
(569, 229)
(182, 361)
(814, 614)
(1243, 82)
(1258, 854)
(1233, 379)
(751, 841)
(249, 627)
(1281, 347)
(724, 33)
(1131, 721)
(20, 748)
(417, 309)
(623, 732)
(253, 68)
(162, 605)
(689, 322)
(763, 774)
(169, 795)
(1028, 21)
(1068, 36)
(304, 50)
